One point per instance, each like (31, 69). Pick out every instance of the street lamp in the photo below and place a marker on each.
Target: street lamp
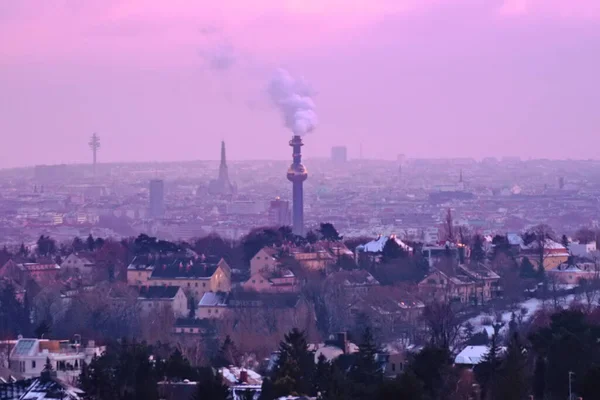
(571, 373)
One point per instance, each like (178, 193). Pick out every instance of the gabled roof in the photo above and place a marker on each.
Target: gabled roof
(257, 299)
(354, 278)
(212, 299)
(473, 355)
(158, 292)
(377, 245)
(188, 269)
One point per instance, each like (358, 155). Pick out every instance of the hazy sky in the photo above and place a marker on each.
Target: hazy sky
(167, 80)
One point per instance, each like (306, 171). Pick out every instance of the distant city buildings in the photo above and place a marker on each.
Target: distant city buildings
(279, 213)
(157, 198)
(339, 154)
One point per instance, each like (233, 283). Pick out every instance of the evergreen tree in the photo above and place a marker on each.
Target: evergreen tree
(432, 368)
(14, 316)
(178, 368)
(565, 241)
(328, 232)
(227, 354)
(477, 249)
(404, 387)
(77, 244)
(487, 369)
(527, 269)
(23, 251)
(211, 386)
(338, 385)
(294, 370)
(43, 330)
(322, 375)
(311, 237)
(366, 373)
(513, 380)
(90, 243)
(392, 250)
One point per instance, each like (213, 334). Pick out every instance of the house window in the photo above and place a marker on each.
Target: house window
(393, 367)
(253, 280)
(216, 311)
(188, 284)
(196, 284)
(209, 310)
(203, 284)
(32, 364)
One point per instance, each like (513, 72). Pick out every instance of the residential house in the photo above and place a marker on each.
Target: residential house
(473, 355)
(355, 281)
(195, 276)
(464, 284)
(29, 356)
(375, 247)
(265, 260)
(43, 273)
(155, 298)
(212, 305)
(317, 260)
(38, 389)
(573, 274)
(192, 326)
(582, 249)
(278, 280)
(78, 264)
(554, 253)
(270, 310)
(393, 311)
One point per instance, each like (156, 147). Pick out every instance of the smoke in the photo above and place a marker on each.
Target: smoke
(294, 99)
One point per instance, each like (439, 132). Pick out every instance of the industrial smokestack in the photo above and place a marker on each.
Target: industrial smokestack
(294, 100)
(297, 174)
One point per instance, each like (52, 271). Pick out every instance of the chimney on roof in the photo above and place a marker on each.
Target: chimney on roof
(243, 376)
(342, 341)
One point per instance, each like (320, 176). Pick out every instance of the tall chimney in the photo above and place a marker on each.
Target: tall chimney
(297, 174)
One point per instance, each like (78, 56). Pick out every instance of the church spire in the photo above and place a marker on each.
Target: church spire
(223, 159)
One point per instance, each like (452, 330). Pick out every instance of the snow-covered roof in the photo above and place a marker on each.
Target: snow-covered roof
(549, 244)
(212, 299)
(376, 246)
(472, 355)
(514, 239)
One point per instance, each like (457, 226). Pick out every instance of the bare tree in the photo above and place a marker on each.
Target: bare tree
(539, 236)
(443, 325)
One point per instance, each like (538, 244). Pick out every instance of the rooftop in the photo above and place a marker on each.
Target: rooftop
(158, 292)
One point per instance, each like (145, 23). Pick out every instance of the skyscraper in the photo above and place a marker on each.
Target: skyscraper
(339, 154)
(279, 213)
(157, 198)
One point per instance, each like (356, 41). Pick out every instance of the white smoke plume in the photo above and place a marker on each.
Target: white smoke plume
(294, 99)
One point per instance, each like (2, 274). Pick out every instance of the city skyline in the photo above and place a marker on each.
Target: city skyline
(429, 80)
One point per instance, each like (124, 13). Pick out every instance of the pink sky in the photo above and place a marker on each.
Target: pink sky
(428, 78)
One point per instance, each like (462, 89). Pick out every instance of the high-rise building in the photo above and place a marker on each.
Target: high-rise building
(297, 174)
(157, 198)
(339, 154)
(279, 213)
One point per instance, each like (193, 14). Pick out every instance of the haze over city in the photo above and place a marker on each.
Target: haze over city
(167, 81)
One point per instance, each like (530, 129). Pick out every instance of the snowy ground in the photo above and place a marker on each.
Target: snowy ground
(531, 306)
